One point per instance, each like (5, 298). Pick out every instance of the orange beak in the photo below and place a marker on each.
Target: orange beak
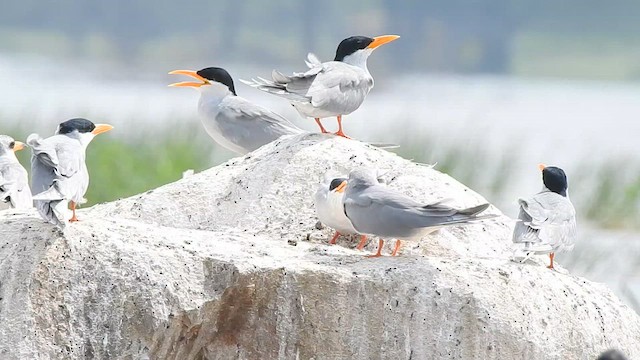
(381, 40)
(341, 187)
(192, 74)
(101, 128)
(541, 167)
(17, 146)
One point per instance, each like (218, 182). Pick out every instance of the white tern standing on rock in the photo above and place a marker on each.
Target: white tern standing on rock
(59, 173)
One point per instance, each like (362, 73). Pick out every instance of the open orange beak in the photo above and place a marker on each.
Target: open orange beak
(17, 146)
(192, 74)
(381, 40)
(101, 128)
(541, 167)
(341, 187)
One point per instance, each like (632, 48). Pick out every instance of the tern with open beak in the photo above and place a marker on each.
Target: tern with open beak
(375, 209)
(232, 121)
(333, 88)
(59, 174)
(14, 180)
(548, 218)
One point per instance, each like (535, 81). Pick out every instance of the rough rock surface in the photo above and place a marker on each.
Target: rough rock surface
(228, 264)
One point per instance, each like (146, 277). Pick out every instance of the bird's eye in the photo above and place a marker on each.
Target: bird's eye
(12, 145)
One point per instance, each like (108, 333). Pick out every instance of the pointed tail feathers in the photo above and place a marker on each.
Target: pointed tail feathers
(467, 215)
(312, 60)
(51, 194)
(474, 210)
(54, 212)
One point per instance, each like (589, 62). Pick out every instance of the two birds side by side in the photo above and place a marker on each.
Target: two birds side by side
(59, 175)
(362, 205)
(333, 88)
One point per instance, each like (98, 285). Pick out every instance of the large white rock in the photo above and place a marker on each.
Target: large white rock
(228, 264)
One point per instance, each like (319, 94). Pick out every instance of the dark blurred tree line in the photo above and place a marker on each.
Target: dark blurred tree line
(452, 35)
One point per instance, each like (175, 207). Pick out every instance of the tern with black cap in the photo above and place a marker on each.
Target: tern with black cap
(548, 218)
(375, 209)
(59, 174)
(330, 209)
(232, 121)
(14, 180)
(333, 88)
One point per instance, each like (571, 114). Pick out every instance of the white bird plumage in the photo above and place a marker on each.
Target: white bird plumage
(59, 173)
(329, 206)
(14, 179)
(332, 88)
(232, 121)
(547, 218)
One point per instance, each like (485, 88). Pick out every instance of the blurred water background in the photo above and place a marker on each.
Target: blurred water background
(486, 89)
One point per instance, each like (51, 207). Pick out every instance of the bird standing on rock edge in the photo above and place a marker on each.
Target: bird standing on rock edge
(548, 217)
(232, 121)
(59, 172)
(14, 180)
(333, 88)
(374, 209)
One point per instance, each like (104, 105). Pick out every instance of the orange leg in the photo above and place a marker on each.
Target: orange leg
(324, 131)
(340, 133)
(551, 258)
(362, 243)
(379, 253)
(334, 238)
(73, 208)
(395, 250)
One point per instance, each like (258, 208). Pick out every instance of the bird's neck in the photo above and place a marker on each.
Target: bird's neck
(214, 94)
(10, 156)
(358, 59)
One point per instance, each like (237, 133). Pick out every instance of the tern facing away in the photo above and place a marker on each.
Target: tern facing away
(232, 121)
(548, 218)
(333, 88)
(14, 180)
(58, 170)
(375, 209)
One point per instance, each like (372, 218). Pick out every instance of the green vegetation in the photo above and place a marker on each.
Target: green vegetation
(606, 193)
(121, 167)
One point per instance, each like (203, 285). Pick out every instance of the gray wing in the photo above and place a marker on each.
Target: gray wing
(322, 84)
(312, 60)
(14, 186)
(57, 174)
(548, 218)
(60, 154)
(251, 126)
(382, 211)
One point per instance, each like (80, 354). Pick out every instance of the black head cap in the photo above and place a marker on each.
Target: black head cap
(80, 124)
(350, 45)
(555, 180)
(612, 354)
(218, 75)
(335, 183)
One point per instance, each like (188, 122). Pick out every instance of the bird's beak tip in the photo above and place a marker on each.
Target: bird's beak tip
(381, 40)
(541, 166)
(101, 128)
(190, 73)
(18, 146)
(341, 187)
